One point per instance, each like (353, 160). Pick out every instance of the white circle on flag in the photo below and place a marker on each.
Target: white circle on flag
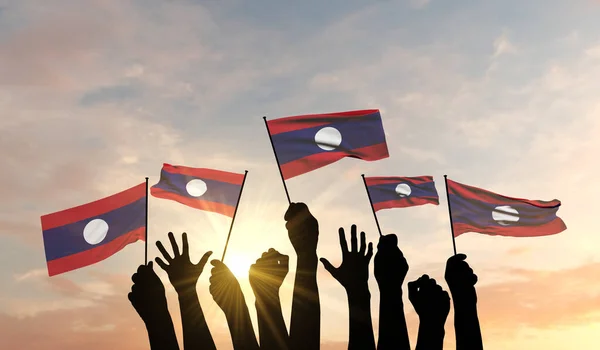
(95, 231)
(328, 138)
(403, 190)
(196, 187)
(505, 215)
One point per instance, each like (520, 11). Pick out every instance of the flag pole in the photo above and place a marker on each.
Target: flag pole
(370, 201)
(146, 233)
(277, 160)
(234, 213)
(450, 213)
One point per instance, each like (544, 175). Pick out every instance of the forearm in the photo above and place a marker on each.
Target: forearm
(361, 326)
(431, 336)
(393, 332)
(466, 326)
(196, 334)
(240, 327)
(271, 326)
(161, 332)
(305, 325)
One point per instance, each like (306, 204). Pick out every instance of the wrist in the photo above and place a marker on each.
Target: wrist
(358, 294)
(187, 291)
(308, 256)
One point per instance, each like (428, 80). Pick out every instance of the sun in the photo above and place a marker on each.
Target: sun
(238, 264)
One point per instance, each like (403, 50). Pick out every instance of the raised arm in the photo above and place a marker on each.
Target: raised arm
(353, 275)
(432, 304)
(184, 275)
(461, 281)
(305, 324)
(266, 277)
(226, 292)
(148, 298)
(390, 271)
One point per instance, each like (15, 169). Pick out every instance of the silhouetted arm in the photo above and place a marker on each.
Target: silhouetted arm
(148, 298)
(432, 304)
(184, 275)
(305, 324)
(353, 275)
(390, 270)
(461, 281)
(227, 293)
(266, 277)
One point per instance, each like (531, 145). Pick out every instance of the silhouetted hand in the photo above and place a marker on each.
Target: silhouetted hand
(182, 273)
(390, 265)
(430, 301)
(225, 288)
(460, 278)
(147, 293)
(303, 228)
(353, 273)
(268, 273)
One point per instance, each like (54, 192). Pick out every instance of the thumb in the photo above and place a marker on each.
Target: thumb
(412, 290)
(151, 264)
(327, 265)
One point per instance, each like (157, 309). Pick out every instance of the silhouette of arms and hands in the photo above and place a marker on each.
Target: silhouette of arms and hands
(148, 298)
(432, 304)
(461, 281)
(390, 271)
(266, 278)
(353, 275)
(227, 293)
(184, 275)
(305, 324)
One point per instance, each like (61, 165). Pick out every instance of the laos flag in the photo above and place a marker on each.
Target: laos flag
(87, 234)
(401, 192)
(205, 189)
(477, 210)
(308, 142)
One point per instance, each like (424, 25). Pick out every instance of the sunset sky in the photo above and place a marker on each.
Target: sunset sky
(97, 94)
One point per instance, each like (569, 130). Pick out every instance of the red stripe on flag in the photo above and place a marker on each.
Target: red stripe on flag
(219, 208)
(94, 255)
(382, 180)
(405, 203)
(479, 194)
(286, 124)
(319, 160)
(210, 174)
(99, 207)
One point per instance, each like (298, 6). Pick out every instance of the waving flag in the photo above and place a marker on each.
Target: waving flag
(477, 210)
(205, 189)
(401, 192)
(87, 234)
(308, 142)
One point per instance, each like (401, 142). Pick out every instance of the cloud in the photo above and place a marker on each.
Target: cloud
(503, 46)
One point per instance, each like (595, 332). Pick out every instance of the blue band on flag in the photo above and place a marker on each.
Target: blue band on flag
(216, 191)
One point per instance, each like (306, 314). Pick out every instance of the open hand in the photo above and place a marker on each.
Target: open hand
(390, 265)
(183, 274)
(225, 288)
(268, 273)
(460, 278)
(147, 293)
(303, 229)
(353, 273)
(430, 301)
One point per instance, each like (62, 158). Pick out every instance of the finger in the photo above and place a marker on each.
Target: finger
(216, 263)
(369, 252)
(457, 258)
(204, 259)
(475, 279)
(363, 243)
(185, 246)
(163, 251)
(343, 243)
(327, 265)
(285, 260)
(387, 241)
(151, 265)
(353, 242)
(446, 295)
(174, 244)
(134, 277)
(162, 264)
(413, 289)
(130, 297)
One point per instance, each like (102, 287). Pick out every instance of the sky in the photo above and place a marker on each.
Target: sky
(503, 95)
